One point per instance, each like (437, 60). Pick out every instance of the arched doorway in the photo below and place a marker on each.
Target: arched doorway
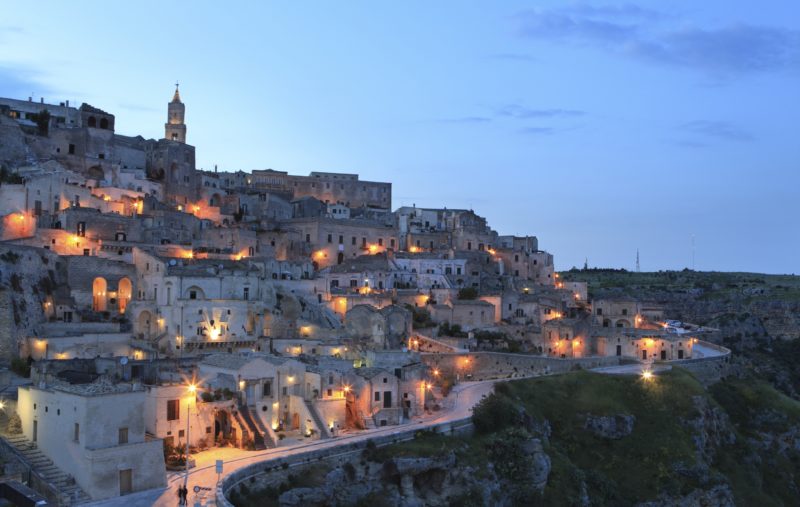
(340, 258)
(99, 289)
(124, 290)
(295, 421)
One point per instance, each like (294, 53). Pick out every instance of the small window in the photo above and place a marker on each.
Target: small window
(123, 436)
(173, 410)
(377, 396)
(192, 294)
(76, 433)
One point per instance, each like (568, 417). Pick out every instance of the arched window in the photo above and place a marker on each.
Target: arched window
(92, 121)
(124, 291)
(103, 123)
(99, 289)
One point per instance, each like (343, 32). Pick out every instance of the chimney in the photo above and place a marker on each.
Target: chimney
(67, 103)
(30, 99)
(41, 100)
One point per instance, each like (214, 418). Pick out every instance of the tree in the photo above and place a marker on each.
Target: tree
(494, 413)
(468, 293)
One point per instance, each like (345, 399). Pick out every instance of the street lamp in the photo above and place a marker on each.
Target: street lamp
(192, 389)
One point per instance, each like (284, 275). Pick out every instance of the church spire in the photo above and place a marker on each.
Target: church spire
(175, 128)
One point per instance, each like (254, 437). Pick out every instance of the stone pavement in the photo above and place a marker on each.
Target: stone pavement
(465, 395)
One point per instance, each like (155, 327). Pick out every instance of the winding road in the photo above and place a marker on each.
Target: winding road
(464, 396)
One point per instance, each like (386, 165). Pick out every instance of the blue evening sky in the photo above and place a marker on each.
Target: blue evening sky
(599, 127)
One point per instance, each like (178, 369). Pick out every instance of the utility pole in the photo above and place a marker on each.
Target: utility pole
(692, 252)
(638, 267)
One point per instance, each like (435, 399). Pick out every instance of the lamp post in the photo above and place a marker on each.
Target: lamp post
(192, 389)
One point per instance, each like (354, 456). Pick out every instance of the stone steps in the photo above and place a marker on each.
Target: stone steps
(44, 466)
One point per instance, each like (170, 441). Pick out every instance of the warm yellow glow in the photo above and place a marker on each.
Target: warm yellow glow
(346, 388)
(525, 290)
(576, 342)
(556, 275)
(2, 404)
(342, 302)
(106, 198)
(180, 207)
(436, 373)
(305, 330)
(319, 254)
(195, 208)
(297, 351)
(373, 249)
(214, 333)
(241, 385)
(187, 254)
(191, 388)
(577, 296)
(290, 378)
(647, 375)
(428, 385)
(414, 249)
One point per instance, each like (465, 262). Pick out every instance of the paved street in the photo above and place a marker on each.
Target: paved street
(465, 395)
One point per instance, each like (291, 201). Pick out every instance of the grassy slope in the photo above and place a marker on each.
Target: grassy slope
(718, 285)
(641, 466)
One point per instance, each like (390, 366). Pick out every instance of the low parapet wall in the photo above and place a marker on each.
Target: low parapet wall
(335, 454)
(497, 365)
(708, 369)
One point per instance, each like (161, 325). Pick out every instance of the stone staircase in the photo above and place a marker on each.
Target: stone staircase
(323, 430)
(258, 435)
(29, 453)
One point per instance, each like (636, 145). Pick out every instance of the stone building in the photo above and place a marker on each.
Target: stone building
(95, 432)
(373, 328)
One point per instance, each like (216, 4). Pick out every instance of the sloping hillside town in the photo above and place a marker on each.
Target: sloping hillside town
(159, 317)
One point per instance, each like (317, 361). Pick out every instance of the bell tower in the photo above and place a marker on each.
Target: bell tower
(175, 128)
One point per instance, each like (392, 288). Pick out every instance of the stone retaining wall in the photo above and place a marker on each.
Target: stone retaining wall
(497, 365)
(708, 370)
(333, 456)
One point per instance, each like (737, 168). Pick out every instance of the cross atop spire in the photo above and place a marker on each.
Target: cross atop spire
(177, 96)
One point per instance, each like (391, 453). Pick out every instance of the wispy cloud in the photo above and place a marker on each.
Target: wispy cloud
(537, 131)
(19, 81)
(465, 119)
(654, 37)
(523, 112)
(717, 129)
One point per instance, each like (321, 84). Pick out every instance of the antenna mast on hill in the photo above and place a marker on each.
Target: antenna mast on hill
(692, 252)
(638, 268)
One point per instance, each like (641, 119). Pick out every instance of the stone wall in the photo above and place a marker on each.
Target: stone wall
(495, 365)
(334, 456)
(708, 370)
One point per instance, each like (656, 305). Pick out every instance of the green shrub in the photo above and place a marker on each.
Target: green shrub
(493, 413)
(468, 293)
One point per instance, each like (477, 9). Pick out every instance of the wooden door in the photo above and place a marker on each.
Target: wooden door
(125, 481)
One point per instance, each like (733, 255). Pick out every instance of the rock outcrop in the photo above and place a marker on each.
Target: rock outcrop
(612, 427)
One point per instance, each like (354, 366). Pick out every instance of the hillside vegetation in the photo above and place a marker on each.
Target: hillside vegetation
(737, 442)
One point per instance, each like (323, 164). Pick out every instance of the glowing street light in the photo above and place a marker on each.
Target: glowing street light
(647, 375)
(192, 388)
